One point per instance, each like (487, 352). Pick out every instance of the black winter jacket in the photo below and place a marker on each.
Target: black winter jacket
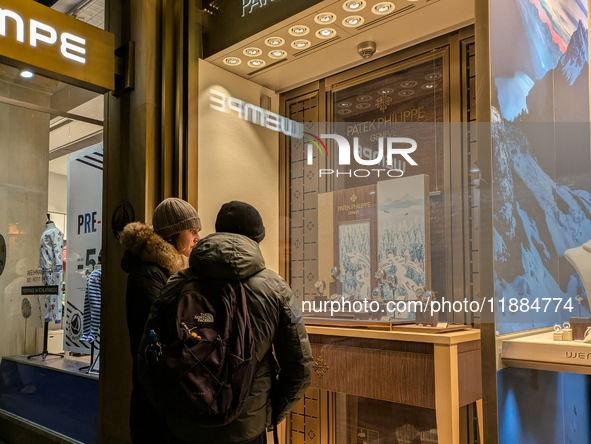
(276, 321)
(149, 261)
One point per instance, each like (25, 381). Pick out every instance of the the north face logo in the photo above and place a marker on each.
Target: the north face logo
(204, 317)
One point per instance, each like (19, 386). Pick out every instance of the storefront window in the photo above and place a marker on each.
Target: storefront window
(50, 219)
(373, 231)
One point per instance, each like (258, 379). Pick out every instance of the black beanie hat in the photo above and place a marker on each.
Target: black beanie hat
(240, 218)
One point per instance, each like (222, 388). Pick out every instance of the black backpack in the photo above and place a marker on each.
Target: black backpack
(203, 367)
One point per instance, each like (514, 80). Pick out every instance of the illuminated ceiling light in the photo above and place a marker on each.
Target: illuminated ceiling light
(256, 63)
(406, 92)
(274, 41)
(353, 21)
(362, 105)
(433, 76)
(277, 54)
(354, 5)
(252, 52)
(364, 98)
(386, 91)
(431, 85)
(383, 8)
(232, 61)
(345, 104)
(325, 33)
(25, 74)
(409, 84)
(325, 18)
(300, 44)
(344, 111)
(299, 30)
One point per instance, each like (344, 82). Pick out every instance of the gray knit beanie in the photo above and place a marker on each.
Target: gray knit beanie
(173, 216)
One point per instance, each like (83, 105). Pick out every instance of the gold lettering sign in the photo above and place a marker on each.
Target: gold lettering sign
(56, 45)
(354, 206)
(409, 115)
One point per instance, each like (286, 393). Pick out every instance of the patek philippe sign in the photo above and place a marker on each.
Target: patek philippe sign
(56, 45)
(250, 6)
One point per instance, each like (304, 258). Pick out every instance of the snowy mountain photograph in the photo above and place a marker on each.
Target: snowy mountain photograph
(402, 237)
(541, 155)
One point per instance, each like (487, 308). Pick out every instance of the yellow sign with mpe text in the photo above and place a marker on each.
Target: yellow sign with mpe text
(56, 45)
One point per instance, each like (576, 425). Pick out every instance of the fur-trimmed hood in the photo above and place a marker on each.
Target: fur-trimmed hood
(142, 243)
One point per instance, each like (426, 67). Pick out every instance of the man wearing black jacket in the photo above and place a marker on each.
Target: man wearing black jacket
(233, 253)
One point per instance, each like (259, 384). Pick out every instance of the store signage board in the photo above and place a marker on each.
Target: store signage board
(232, 21)
(85, 207)
(55, 45)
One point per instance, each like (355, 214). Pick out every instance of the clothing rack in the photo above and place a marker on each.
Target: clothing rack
(88, 368)
(45, 353)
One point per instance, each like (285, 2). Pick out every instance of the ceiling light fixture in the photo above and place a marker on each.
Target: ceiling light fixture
(364, 98)
(232, 61)
(274, 41)
(354, 5)
(344, 111)
(362, 105)
(383, 8)
(252, 52)
(299, 30)
(345, 104)
(325, 18)
(386, 91)
(325, 33)
(406, 92)
(433, 76)
(26, 74)
(409, 84)
(300, 44)
(431, 85)
(256, 63)
(277, 54)
(353, 22)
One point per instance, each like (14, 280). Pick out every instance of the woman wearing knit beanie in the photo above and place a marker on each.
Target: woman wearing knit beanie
(152, 255)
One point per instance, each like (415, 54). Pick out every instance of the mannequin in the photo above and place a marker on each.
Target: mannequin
(51, 257)
(51, 254)
(92, 305)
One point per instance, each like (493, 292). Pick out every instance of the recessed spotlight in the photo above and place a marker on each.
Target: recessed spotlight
(256, 63)
(431, 85)
(274, 41)
(409, 84)
(354, 5)
(344, 111)
(364, 98)
(362, 105)
(299, 30)
(325, 33)
(386, 91)
(252, 52)
(406, 92)
(433, 76)
(232, 61)
(353, 21)
(25, 74)
(383, 8)
(277, 54)
(345, 104)
(300, 44)
(325, 18)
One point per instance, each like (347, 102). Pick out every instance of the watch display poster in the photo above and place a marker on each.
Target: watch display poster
(404, 235)
(85, 198)
(355, 243)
